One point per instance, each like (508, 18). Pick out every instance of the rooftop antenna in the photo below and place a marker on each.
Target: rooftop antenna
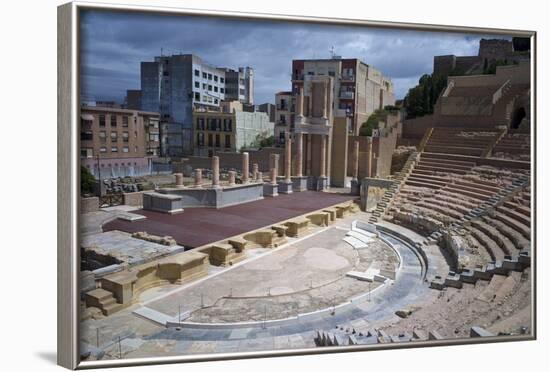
(161, 52)
(331, 50)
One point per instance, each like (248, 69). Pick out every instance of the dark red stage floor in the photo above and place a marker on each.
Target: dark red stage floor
(198, 226)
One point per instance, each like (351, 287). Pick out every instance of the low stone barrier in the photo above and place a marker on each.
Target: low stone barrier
(89, 204)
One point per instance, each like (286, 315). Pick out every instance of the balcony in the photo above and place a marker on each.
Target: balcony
(349, 78)
(284, 107)
(346, 94)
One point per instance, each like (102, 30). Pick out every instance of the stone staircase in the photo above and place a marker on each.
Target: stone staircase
(383, 206)
(103, 300)
(489, 149)
(486, 272)
(499, 198)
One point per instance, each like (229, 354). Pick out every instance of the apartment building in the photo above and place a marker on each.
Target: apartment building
(284, 116)
(329, 101)
(118, 142)
(240, 85)
(359, 89)
(228, 129)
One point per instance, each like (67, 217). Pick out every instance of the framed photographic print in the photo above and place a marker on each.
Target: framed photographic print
(236, 185)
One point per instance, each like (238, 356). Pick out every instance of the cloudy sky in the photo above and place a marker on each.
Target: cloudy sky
(113, 45)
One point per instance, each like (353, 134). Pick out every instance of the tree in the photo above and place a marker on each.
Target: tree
(87, 181)
(421, 99)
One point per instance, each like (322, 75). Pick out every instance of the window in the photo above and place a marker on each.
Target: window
(210, 139)
(86, 152)
(222, 90)
(197, 73)
(125, 121)
(125, 149)
(102, 136)
(153, 137)
(204, 75)
(101, 120)
(197, 84)
(241, 92)
(200, 139)
(222, 80)
(125, 136)
(114, 136)
(103, 149)
(209, 87)
(227, 141)
(215, 78)
(217, 140)
(197, 96)
(204, 85)
(216, 101)
(86, 135)
(209, 76)
(113, 120)
(204, 99)
(114, 149)
(215, 89)
(241, 81)
(165, 73)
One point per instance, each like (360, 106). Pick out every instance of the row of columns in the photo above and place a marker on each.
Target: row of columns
(197, 173)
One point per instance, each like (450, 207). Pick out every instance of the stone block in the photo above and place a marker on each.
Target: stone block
(297, 226)
(319, 219)
(299, 184)
(284, 187)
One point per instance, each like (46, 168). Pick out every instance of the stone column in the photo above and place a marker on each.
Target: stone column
(308, 155)
(299, 154)
(323, 160)
(288, 155)
(355, 174)
(273, 176)
(369, 157)
(325, 89)
(255, 171)
(198, 177)
(245, 167)
(232, 178)
(275, 163)
(215, 171)
(300, 102)
(179, 180)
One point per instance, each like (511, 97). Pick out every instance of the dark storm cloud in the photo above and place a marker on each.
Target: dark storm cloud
(113, 45)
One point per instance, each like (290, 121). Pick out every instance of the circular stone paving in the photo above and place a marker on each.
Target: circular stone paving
(307, 275)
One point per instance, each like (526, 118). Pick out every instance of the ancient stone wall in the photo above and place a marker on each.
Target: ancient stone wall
(90, 204)
(134, 199)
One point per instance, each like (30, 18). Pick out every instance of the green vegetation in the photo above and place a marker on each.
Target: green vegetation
(86, 181)
(421, 99)
(490, 68)
(262, 141)
(376, 117)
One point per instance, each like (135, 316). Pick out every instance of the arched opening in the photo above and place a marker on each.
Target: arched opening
(517, 117)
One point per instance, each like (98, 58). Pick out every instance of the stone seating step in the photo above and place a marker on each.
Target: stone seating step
(490, 246)
(111, 308)
(516, 225)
